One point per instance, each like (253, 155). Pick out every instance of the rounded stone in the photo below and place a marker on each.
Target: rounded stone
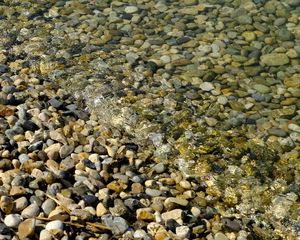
(31, 211)
(206, 86)
(131, 9)
(12, 220)
(220, 236)
(55, 225)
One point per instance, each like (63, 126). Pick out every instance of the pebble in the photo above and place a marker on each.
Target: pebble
(117, 224)
(131, 9)
(220, 236)
(45, 235)
(274, 59)
(31, 211)
(54, 226)
(134, 109)
(153, 192)
(206, 86)
(20, 204)
(12, 220)
(26, 228)
(183, 232)
(48, 206)
(176, 214)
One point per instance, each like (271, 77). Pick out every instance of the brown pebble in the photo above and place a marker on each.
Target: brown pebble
(26, 228)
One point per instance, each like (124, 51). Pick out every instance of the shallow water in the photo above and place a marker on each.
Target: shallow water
(210, 86)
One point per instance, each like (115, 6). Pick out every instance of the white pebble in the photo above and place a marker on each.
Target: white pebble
(12, 220)
(206, 86)
(55, 225)
(222, 100)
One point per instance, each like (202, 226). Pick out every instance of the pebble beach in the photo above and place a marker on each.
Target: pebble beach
(142, 119)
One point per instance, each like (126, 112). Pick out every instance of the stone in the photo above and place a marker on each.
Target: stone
(274, 59)
(12, 220)
(159, 168)
(206, 86)
(55, 103)
(58, 136)
(23, 158)
(55, 226)
(31, 211)
(6, 204)
(173, 202)
(48, 206)
(249, 36)
(220, 236)
(17, 190)
(185, 184)
(153, 192)
(176, 214)
(141, 234)
(145, 214)
(20, 204)
(261, 88)
(116, 186)
(45, 235)
(117, 224)
(244, 19)
(101, 210)
(131, 9)
(222, 100)
(183, 232)
(65, 151)
(26, 228)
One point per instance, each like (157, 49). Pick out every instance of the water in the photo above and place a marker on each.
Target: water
(185, 81)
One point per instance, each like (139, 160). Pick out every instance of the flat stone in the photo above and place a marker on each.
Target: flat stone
(175, 214)
(26, 228)
(261, 88)
(274, 59)
(206, 86)
(131, 9)
(117, 224)
(173, 202)
(220, 236)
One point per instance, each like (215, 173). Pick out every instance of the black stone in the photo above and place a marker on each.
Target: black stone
(90, 200)
(4, 229)
(152, 66)
(88, 163)
(171, 224)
